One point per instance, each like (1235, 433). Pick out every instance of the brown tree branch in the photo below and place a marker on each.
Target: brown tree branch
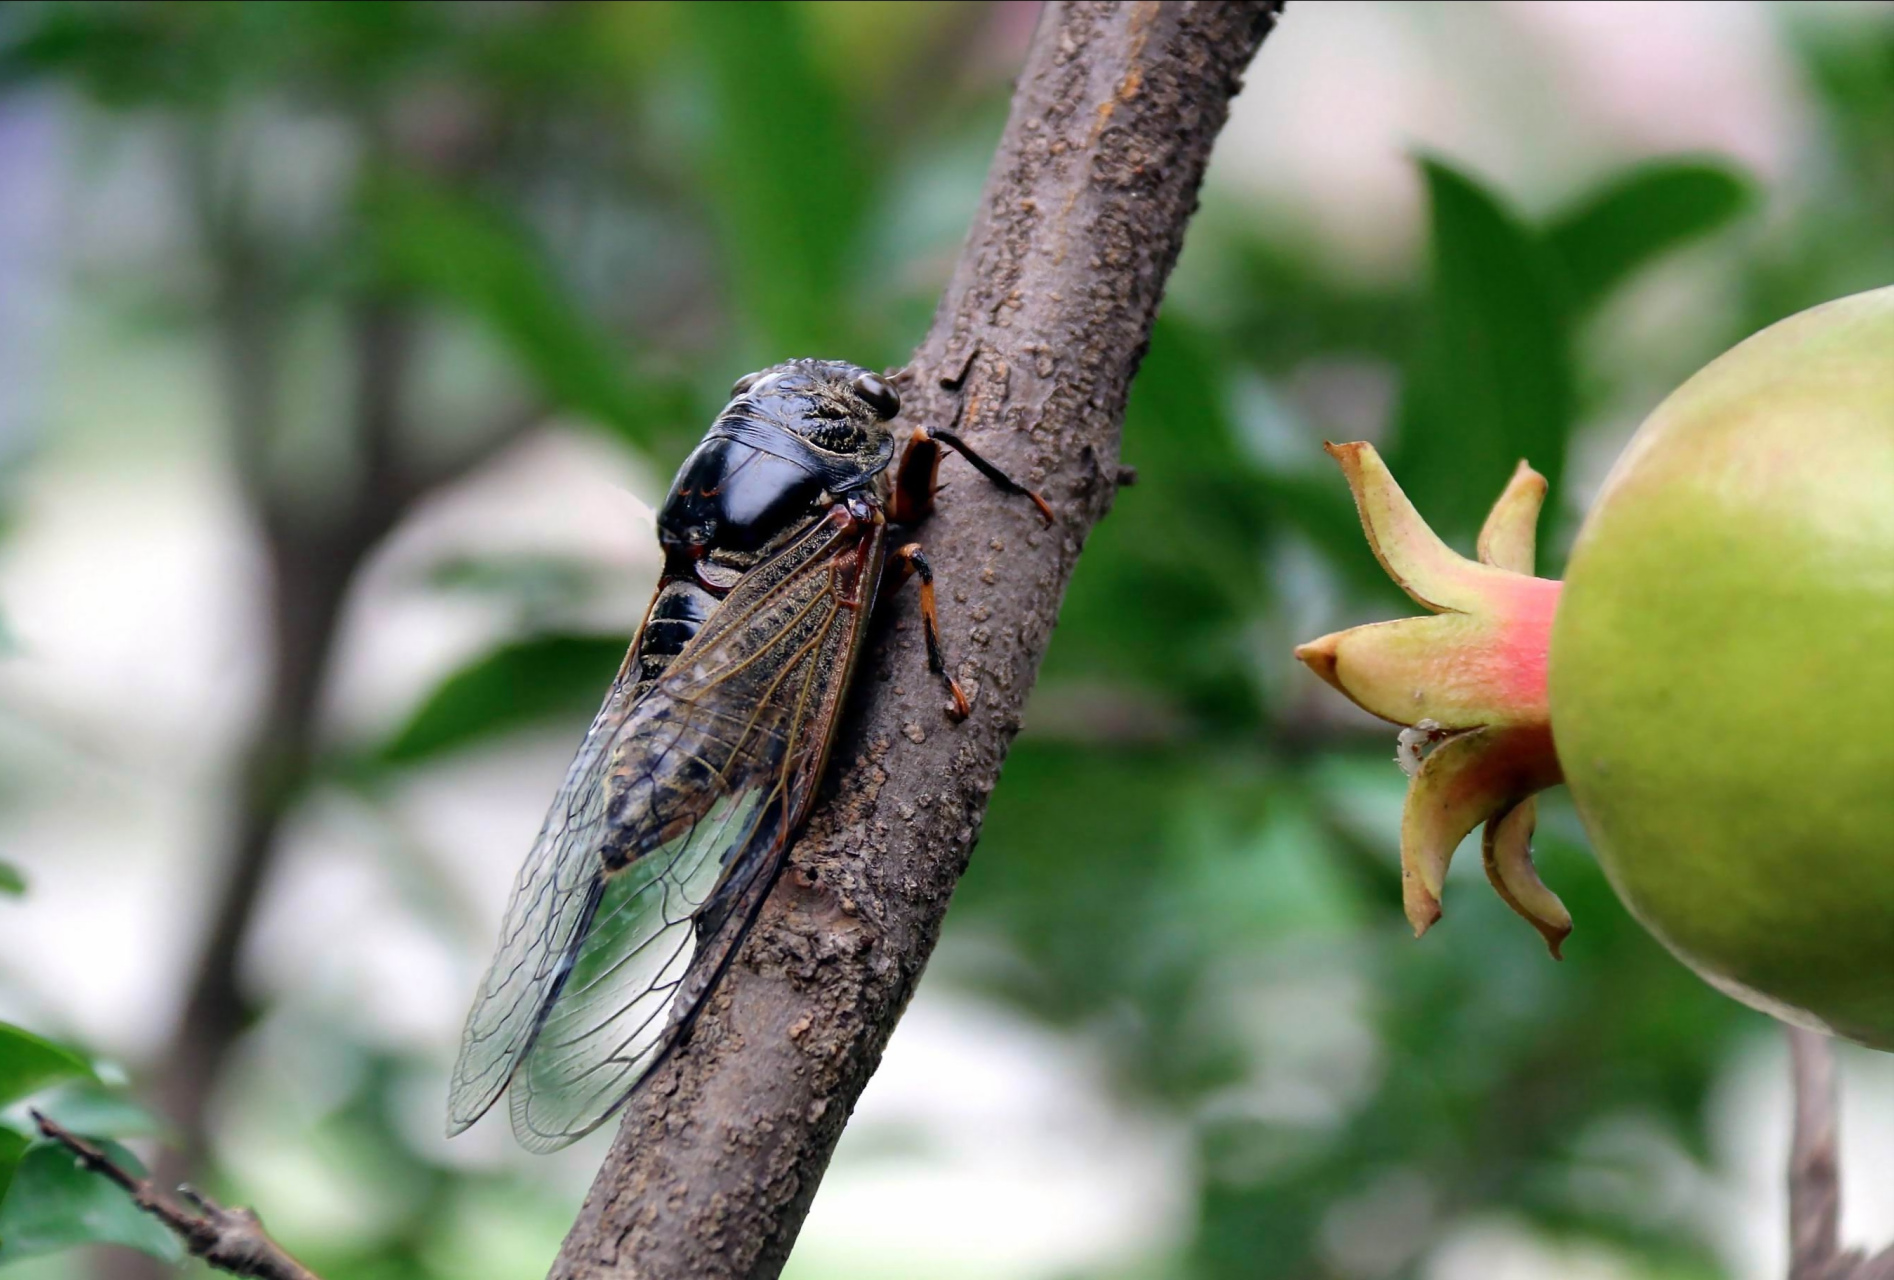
(1032, 350)
(231, 1240)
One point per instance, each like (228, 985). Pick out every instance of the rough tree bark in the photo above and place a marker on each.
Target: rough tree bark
(1031, 354)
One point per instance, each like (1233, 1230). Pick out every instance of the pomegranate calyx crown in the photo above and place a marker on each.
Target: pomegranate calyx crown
(1468, 681)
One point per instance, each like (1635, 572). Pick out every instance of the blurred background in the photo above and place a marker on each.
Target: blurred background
(344, 350)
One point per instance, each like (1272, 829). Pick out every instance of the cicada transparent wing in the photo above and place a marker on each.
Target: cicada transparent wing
(620, 926)
(552, 904)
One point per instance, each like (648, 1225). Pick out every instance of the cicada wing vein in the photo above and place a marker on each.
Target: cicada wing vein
(546, 916)
(709, 774)
(612, 1017)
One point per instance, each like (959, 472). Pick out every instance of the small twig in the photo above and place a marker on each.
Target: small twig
(1814, 1162)
(231, 1240)
(1815, 1251)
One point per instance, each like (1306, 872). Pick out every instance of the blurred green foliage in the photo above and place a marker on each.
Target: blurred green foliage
(447, 246)
(776, 122)
(546, 677)
(54, 1204)
(1192, 848)
(29, 1063)
(48, 1203)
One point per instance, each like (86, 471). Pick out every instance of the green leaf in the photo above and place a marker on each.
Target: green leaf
(54, 1204)
(524, 683)
(88, 1106)
(1607, 236)
(789, 184)
(12, 883)
(455, 249)
(12, 1146)
(1491, 381)
(28, 1063)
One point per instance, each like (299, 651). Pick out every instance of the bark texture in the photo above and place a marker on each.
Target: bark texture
(1030, 356)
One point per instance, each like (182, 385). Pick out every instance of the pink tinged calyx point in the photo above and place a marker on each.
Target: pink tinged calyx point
(1468, 681)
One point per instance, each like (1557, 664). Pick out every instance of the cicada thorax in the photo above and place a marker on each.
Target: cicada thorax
(795, 466)
(791, 443)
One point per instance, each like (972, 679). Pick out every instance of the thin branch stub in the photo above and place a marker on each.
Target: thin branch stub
(231, 1240)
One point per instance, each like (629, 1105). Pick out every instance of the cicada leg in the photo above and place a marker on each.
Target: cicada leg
(915, 479)
(910, 561)
(913, 498)
(918, 476)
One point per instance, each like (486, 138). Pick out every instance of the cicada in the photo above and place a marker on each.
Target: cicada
(673, 821)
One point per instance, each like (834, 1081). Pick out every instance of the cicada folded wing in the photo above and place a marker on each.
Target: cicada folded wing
(669, 830)
(552, 905)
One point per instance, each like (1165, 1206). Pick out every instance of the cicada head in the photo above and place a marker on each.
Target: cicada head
(838, 408)
(794, 436)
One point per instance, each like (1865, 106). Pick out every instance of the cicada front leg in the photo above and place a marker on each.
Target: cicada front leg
(915, 481)
(917, 477)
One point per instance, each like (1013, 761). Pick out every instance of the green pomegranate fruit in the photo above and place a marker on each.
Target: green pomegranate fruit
(1714, 679)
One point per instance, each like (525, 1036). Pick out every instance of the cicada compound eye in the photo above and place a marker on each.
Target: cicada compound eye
(882, 398)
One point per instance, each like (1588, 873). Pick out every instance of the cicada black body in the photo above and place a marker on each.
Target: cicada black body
(673, 820)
